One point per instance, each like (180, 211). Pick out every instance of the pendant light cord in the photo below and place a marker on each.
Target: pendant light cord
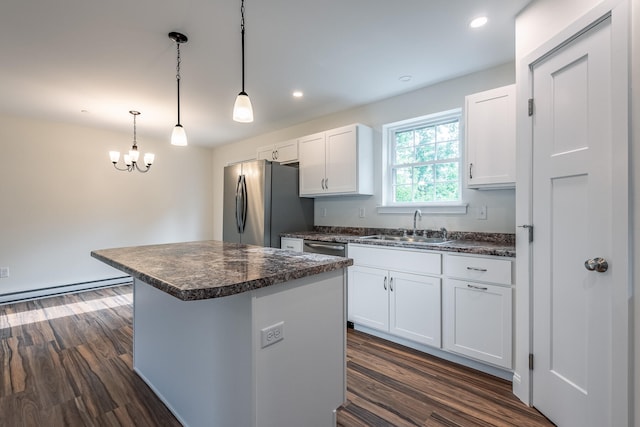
(242, 31)
(178, 79)
(135, 144)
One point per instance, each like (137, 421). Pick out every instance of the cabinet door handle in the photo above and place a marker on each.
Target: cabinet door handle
(477, 269)
(276, 153)
(322, 183)
(470, 169)
(385, 284)
(480, 288)
(326, 183)
(391, 284)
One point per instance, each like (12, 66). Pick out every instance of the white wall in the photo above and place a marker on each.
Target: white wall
(343, 211)
(60, 198)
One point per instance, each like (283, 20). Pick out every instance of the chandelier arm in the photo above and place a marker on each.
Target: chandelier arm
(141, 170)
(127, 169)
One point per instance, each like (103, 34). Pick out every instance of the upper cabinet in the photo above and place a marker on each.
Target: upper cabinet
(282, 152)
(337, 162)
(490, 135)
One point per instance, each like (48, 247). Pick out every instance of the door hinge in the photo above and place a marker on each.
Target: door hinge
(530, 103)
(531, 361)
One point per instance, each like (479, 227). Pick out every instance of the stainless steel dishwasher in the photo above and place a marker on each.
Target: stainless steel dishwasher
(326, 248)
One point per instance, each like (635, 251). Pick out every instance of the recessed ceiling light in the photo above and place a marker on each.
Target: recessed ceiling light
(478, 22)
(297, 94)
(404, 79)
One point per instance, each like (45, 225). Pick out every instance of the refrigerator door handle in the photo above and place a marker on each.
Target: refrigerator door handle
(238, 204)
(244, 203)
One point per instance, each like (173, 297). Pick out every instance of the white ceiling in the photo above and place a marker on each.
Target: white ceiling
(111, 56)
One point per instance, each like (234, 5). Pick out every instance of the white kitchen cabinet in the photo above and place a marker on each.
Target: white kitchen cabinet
(477, 308)
(282, 152)
(337, 162)
(403, 304)
(490, 135)
(291, 244)
(368, 297)
(414, 307)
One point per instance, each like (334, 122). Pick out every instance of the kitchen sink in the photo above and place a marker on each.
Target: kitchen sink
(408, 239)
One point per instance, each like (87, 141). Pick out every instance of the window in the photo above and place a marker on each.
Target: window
(424, 160)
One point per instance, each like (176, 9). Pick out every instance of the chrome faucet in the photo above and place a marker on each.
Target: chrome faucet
(444, 232)
(416, 214)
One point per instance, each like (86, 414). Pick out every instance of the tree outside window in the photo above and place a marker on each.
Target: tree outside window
(425, 162)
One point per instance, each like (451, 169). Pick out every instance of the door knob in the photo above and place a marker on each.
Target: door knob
(596, 264)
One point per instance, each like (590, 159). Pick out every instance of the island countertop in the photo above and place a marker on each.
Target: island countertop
(213, 269)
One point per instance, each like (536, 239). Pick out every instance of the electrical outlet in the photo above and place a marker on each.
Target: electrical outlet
(361, 213)
(4, 272)
(324, 212)
(272, 334)
(482, 212)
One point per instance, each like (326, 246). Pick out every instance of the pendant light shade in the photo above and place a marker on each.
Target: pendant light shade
(242, 109)
(178, 136)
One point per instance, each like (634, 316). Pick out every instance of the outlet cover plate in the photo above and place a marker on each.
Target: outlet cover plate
(272, 334)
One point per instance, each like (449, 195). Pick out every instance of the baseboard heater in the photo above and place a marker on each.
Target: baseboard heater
(63, 289)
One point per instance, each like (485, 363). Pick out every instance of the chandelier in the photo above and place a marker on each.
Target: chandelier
(131, 159)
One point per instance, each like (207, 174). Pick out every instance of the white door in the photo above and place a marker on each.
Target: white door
(572, 211)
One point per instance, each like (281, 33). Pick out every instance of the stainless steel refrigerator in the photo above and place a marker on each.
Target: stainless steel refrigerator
(261, 201)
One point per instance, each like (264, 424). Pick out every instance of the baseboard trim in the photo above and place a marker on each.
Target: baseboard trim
(63, 289)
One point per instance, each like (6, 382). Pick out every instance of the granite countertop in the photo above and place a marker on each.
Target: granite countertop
(212, 269)
(495, 244)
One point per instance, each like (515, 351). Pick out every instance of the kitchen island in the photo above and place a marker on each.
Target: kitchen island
(234, 335)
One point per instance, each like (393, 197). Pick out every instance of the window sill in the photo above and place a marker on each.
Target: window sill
(445, 208)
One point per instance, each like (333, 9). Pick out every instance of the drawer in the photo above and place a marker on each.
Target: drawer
(409, 261)
(291, 244)
(490, 270)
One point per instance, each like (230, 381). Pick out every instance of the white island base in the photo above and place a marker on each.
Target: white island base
(206, 361)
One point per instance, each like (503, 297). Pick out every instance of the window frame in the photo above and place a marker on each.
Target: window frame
(388, 132)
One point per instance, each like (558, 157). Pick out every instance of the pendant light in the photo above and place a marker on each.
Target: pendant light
(242, 110)
(178, 136)
(131, 159)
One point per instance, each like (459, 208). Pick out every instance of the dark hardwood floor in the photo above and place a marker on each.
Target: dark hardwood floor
(67, 361)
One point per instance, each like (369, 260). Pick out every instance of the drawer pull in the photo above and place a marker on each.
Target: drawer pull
(476, 269)
(480, 288)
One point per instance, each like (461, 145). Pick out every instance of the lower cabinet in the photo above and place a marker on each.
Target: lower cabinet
(400, 303)
(414, 307)
(462, 304)
(477, 307)
(403, 304)
(291, 244)
(478, 321)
